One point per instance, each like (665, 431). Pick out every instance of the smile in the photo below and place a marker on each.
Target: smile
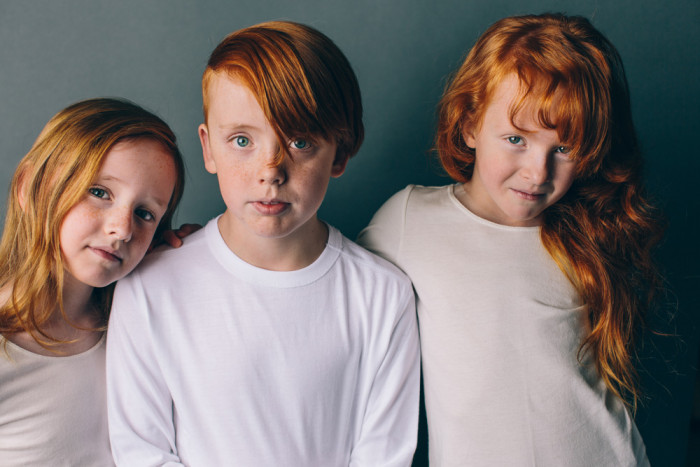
(528, 196)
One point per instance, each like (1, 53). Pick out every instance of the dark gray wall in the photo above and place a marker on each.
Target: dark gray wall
(153, 52)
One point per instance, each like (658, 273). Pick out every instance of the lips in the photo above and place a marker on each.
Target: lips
(528, 196)
(270, 208)
(107, 253)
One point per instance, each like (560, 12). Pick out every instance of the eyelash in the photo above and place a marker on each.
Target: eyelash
(308, 144)
(103, 194)
(98, 192)
(237, 141)
(243, 142)
(145, 215)
(559, 149)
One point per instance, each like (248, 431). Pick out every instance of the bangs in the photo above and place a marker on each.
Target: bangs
(276, 80)
(301, 80)
(571, 109)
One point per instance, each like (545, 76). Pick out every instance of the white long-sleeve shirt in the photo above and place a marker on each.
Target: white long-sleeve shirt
(212, 361)
(500, 328)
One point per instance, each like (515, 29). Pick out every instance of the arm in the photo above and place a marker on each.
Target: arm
(390, 425)
(140, 412)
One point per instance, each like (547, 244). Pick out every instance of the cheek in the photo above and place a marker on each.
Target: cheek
(77, 224)
(138, 246)
(316, 180)
(231, 183)
(566, 176)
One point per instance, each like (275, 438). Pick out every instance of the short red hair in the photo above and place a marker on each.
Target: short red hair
(301, 79)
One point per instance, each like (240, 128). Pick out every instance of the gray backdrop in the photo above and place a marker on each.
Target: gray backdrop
(154, 51)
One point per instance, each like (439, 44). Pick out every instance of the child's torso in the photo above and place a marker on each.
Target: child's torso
(53, 410)
(500, 329)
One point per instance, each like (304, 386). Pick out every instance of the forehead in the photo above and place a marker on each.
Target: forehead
(513, 102)
(143, 164)
(230, 100)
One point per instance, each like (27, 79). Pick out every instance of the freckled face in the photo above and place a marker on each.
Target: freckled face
(106, 234)
(518, 173)
(263, 200)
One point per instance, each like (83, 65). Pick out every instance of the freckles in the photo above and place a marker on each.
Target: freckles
(90, 212)
(85, 210)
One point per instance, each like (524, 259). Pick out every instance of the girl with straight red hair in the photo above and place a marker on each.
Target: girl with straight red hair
(101, 181)
(534, 271)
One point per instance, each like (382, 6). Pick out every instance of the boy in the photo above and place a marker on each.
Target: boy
(277, 341)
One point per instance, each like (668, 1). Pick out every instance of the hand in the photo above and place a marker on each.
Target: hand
(173, 238)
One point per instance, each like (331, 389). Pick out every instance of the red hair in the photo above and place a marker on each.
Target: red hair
(302, 81)
(602, 232)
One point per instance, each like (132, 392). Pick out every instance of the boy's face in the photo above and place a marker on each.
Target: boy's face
(263, 201)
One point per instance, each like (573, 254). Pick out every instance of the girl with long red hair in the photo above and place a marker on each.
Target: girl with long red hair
(533, 272)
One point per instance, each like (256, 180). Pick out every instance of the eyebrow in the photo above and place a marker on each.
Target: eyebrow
(237, 127)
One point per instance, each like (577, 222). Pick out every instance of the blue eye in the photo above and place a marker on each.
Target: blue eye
(98, 192)
(145, 215)
(300, 144)
(241, 141)
(515, 140)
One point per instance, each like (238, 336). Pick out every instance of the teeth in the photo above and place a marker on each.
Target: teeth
(270, 202)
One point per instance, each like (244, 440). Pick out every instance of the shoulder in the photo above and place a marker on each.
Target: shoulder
(403, 212)
(171, 270)
(194, 246)
(411, 198)
(372, 267)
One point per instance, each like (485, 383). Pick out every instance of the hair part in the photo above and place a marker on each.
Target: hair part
(300, 78)
(602, 233)
(52, 178)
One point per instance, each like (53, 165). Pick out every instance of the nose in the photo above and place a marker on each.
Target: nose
(537, 168)
(119, 224)
(273, 168)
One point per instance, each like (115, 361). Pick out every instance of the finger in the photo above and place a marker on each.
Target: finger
(187, 229)
(172, 238)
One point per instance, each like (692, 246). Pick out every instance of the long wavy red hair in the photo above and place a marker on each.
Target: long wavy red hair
(603, 231)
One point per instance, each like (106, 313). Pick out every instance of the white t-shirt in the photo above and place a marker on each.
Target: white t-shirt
(212, 361)
(53, 410)
(500, 329)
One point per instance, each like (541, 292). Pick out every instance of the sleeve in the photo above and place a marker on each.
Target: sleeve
(390, 426)
(140, 407)
(384, 233)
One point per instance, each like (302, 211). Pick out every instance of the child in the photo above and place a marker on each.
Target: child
(102, 178)
(275, 340)
(532, 272)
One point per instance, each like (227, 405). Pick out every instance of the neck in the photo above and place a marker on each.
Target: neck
(289, 253)
(77, 301)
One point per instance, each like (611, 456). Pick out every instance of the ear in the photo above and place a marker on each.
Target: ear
(22, 187)
(339, 164)
(209, 163)
(468, 136)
